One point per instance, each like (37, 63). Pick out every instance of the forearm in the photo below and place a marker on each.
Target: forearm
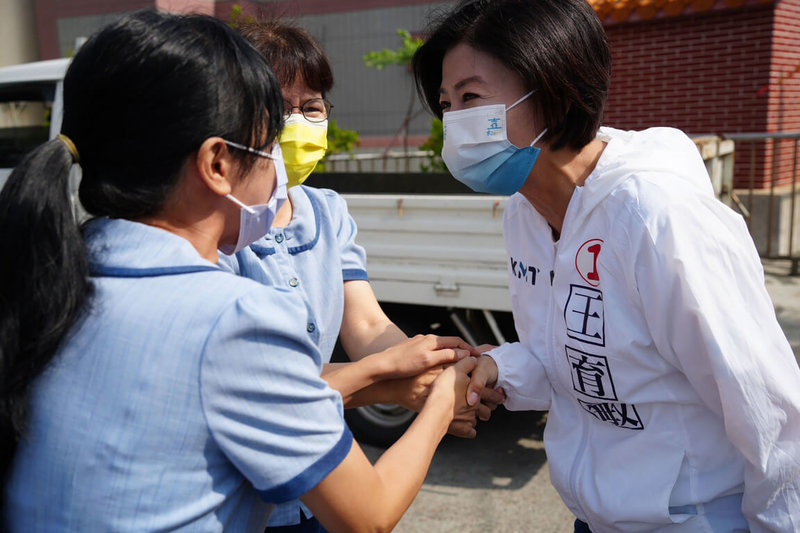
(367, 337)
(350, 379)
(406, 463)
(330, 368)
(387, 391)
(357, 496)
(410, 367)
(365, 327)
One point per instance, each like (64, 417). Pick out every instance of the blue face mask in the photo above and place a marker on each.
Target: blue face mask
(477, 151)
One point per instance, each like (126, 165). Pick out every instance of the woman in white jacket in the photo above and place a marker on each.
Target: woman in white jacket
(645, 328)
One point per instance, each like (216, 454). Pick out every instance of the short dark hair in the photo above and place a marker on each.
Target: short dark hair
(557, 47)
(291, 52)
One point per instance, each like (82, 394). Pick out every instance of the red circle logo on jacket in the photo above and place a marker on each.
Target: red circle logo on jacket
(586, 261)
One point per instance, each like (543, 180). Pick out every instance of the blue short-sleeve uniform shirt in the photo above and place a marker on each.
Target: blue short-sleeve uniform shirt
(186, 398)
(312, 256)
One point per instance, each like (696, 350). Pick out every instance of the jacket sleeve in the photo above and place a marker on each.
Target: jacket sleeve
(522, 375)
(702, 287)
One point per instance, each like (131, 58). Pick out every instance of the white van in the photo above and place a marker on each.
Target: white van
(30, 109)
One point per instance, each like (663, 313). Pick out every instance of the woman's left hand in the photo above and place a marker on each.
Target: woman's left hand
(419, 354)
(412, 392)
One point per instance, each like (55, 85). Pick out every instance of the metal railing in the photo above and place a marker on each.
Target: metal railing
(717, 153)
(776, 232)
(392, 161)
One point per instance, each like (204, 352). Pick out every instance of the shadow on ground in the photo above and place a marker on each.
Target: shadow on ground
(506, 454)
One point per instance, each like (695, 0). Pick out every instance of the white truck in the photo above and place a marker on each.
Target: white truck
(437, 263)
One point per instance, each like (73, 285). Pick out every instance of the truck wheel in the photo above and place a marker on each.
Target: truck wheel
(379, 424)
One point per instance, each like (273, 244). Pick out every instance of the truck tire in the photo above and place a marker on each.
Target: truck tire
(380, 424)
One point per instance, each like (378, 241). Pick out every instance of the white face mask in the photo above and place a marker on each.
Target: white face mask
(255, 220)
(477, 151)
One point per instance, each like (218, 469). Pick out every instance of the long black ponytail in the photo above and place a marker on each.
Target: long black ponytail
(140, 97)
(43, 279)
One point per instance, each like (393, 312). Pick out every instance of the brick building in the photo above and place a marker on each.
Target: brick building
(729, 66)
(705, 66)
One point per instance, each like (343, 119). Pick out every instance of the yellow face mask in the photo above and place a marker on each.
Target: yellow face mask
(303, 144)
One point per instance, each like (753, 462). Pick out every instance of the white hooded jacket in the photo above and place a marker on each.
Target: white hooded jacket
(647, 332)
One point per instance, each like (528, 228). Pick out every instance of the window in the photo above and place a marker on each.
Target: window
(25, 114)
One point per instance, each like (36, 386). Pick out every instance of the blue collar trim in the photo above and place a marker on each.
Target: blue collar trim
(262, 251)
(101, 271)
(309, 245)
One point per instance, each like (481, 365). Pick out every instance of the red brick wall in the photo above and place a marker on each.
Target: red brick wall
(784, 79)
(784, 90)
(700, 73)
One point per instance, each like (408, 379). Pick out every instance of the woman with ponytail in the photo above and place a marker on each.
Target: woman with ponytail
(142, 387)
(44, 287)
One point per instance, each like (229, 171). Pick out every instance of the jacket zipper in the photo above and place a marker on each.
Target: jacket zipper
(573, 474)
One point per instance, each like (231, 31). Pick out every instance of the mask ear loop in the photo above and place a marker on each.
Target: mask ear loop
(276, 155)
(539, 136)
(240, 204)
(515, 104)
(249, 149)
(281, 178)
(518, 101)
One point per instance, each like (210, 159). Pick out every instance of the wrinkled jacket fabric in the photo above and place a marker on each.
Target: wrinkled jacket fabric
(647, 332)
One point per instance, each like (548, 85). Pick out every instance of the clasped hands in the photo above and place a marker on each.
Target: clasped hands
(415, 366)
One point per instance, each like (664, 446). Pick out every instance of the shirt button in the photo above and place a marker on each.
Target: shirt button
(311, 327)
(294, 282)
(279, 238)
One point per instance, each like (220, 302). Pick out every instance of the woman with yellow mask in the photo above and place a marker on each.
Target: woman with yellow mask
(311, 249)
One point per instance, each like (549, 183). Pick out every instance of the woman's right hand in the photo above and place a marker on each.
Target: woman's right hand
(483, 377)
(451, 387)
(467, 410)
